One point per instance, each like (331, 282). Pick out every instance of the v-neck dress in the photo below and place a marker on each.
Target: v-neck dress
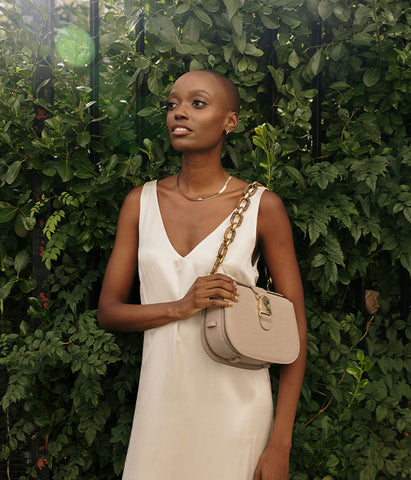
(195, 419)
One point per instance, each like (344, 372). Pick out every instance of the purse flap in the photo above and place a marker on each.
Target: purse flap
(263, 325)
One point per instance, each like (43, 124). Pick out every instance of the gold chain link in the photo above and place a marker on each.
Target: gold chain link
(235, 221)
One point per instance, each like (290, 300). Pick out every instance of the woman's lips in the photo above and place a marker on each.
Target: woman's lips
(180, 130)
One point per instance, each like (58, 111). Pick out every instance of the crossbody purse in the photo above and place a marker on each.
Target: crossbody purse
(258, 330)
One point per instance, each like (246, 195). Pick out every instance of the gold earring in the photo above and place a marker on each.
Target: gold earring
(227, 131)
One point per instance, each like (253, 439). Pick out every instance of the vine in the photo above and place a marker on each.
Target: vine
(71, 386)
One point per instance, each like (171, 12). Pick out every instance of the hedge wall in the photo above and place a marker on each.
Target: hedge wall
(67, 386)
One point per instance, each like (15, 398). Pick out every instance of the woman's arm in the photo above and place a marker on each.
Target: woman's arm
(275, 235)
(113, 310)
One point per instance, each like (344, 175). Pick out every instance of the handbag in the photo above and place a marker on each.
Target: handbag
(258, 330)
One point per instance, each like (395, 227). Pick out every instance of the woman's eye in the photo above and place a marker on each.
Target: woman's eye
(199, 103)
(170, 105)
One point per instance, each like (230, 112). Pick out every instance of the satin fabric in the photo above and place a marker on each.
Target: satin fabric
(194, 419)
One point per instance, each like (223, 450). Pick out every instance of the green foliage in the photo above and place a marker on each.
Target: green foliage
(71, 385)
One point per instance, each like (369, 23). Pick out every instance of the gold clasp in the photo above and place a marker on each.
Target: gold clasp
(263, 305)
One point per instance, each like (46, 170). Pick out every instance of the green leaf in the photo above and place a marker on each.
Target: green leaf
(65, 170)
(337, 52)
(340, 86)
(5, 290)
(342, 13)
(147, 111)
(201, 15)
(240, 42)
(7, 212)
(21, 261)
(317, 62)
(290, 18)
(294, 174)
(242, 64)
(277, 74)
(325, 9)
(75, 46)
(354, 371)
(192, 30)
(371, 76)
(251, 49)
(83, 139)
(407, 213)
(360, 355)
(232, 6)
(237, 23)
(13, 171)
(293, 59)
(362, 39)
(269, 22)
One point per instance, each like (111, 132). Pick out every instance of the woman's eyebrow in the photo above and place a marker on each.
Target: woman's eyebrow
(199, 91)
(193, 92)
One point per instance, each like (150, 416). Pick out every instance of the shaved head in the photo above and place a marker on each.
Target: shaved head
(233, 95)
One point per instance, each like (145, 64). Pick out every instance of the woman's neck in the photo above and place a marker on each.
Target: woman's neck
(200, 176)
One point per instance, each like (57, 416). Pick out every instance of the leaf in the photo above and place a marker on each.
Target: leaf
(83, 139)
(240, 42)
(325, 9)
(192, 30)
(25, 221)
(65, 170)
(342, 13)
(290, 18)
(371, 76)
(407, 213)
(237, 23)
(7, 212)
(21, 261)
(354, 371)
(277, 74)
(5, 290)
(339, 86)
(232, 6)
(13, 171)
(362, 39)
(294, 174)
(337, 52)
(243, 64)
(317, 62)
(293, 59)
(250, 49)
(201, 15)
(75, 46)
(269, 22)
(147, 111)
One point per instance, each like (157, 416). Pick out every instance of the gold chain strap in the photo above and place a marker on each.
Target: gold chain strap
(235, 221)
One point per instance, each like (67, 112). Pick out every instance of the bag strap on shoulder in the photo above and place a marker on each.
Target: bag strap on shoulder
(235, 221)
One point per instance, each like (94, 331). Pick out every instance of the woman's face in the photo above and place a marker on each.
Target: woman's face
(199, 113)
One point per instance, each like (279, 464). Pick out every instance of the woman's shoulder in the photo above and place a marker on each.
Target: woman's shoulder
(272, 209)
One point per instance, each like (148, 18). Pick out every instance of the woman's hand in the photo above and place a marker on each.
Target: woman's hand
(273, 464)
(216, 290)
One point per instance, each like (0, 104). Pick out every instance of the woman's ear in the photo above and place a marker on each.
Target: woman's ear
(232, 122)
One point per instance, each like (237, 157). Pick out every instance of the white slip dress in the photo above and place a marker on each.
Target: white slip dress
(195, 419)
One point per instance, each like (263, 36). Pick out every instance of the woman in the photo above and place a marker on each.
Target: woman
(196, 419)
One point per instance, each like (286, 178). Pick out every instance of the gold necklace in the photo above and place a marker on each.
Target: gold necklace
(199, 199)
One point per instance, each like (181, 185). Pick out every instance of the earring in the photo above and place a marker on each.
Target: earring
(227, 131)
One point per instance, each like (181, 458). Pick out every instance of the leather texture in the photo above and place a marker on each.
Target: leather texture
(241, 337)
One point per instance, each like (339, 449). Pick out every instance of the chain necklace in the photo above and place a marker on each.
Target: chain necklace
(199, 199)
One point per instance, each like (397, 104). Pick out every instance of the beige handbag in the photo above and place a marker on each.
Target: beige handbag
(260, 329)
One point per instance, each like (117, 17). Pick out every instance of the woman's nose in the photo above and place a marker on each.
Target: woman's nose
(180, 112)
